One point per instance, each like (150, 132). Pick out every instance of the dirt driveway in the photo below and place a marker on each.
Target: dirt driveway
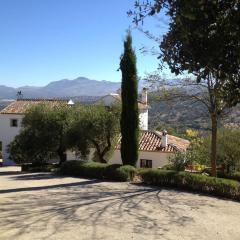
(43, 206)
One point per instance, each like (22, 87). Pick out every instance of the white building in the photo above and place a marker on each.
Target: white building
(154, 147)
(10, 125)
(11, 121)
(142, 106)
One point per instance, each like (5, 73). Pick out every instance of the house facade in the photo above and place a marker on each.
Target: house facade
(112, 98)
(10, 126)
(155, 148)
(11, 121)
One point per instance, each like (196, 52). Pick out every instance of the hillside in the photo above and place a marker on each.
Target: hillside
(182, 115)
(64, 88)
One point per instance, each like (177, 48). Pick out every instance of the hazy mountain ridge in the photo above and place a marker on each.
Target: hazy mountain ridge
(179, 114)
(63, 88)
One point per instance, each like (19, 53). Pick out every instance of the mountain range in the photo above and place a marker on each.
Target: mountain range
(181, 115)
(63, 88)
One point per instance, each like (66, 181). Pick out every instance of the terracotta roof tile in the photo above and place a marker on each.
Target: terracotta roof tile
(22, 105)
(180, 143)
(152, 140)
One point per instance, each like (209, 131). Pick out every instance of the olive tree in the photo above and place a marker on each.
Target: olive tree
(94, 127)
(43, 134)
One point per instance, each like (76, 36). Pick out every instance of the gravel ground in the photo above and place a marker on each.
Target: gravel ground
(44, 206)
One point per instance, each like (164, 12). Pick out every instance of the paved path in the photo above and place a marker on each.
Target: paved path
(43, 206)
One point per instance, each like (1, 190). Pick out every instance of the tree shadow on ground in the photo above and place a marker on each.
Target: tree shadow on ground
(36, 176)
(94, 206)
(9, 173)
(38, 188)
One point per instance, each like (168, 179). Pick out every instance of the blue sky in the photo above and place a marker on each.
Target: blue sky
(48, 40)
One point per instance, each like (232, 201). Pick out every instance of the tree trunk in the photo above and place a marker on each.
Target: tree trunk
(100, 153)
(228, 168)
(102, 159)
(62, 156)
(214, 145)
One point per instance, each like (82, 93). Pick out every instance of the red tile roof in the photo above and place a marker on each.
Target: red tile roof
(180, 143)
(152, 140)
(22, 105)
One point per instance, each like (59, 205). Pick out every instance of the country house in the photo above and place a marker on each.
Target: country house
(154, 147)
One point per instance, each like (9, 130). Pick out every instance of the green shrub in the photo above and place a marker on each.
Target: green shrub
(233, 176)
(111, 171)
(195, 182)
(125, 173)
(179, 161)
(115, 172)
(83, 169)
(167, 167)
(37, 168)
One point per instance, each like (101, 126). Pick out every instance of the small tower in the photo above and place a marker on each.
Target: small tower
(144, 95)
(143, 111)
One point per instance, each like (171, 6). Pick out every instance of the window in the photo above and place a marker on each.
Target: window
(145, 163)
(13, 122)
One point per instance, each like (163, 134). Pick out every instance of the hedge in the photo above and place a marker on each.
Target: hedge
(194, 182)
(234, 176)
(96, 170)
(34, 168)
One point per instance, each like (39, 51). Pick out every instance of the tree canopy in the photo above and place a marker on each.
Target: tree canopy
(203, 39)
(43, 134)
(228, 149)
(50, 131)
(97, 127)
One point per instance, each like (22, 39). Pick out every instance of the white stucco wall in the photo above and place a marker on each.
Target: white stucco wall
(8, 133)
(159, 159)
(143, 113)
(143, 119)
(71, 155)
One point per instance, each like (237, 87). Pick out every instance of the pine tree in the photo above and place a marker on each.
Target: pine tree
(129, 115)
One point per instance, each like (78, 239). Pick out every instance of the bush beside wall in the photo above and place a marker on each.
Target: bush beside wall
(194, 182)
(36, 168)
(96, 170)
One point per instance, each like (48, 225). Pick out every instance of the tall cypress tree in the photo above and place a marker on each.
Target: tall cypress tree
(129, 115)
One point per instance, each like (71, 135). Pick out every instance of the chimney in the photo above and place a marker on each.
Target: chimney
(144, 95)
(164, 139)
